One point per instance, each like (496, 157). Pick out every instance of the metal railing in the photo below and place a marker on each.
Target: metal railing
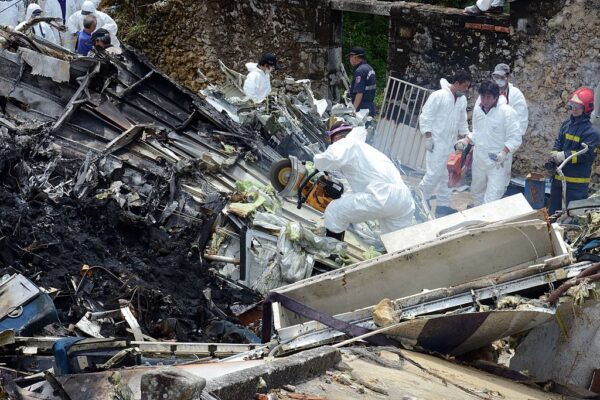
(397, 134)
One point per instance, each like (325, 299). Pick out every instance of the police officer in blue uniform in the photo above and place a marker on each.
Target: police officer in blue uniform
(573, 132)
(363, 86)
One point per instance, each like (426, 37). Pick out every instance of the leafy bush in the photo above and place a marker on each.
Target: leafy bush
(371, 33)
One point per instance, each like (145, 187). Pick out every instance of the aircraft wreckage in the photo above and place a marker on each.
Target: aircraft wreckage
(139, 230)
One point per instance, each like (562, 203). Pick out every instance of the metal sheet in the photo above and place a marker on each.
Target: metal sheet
(435, 302)
(442, 262)
(16, 291)
(460, 333)
(512, 207)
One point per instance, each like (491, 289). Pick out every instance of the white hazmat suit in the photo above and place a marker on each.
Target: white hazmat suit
(258, 83)
(517, 101)
(485, 5)
(378, 191)
(358, 133)
(445, 116)
(492, 132)
(52, 8)
(75, 22)
(40, 29)
(11, 12)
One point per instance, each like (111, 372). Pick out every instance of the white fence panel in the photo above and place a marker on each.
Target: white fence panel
(397, 133)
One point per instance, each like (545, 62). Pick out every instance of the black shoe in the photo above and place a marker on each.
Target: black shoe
(496, 10)
(338, 236)
(473, 10)
(442, 211)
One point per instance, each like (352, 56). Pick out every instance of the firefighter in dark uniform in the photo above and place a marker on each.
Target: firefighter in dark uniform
(573, 132)
(363, 86)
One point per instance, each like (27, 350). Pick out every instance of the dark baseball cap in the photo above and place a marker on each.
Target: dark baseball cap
(99, 34)
(357, 51)
(269, 59)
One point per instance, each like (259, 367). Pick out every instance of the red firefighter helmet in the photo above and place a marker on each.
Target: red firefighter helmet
(585, 97)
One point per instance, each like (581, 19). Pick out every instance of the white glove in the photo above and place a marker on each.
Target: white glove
(461, 144)
(500, 158)
(429, 144)
(558, 156)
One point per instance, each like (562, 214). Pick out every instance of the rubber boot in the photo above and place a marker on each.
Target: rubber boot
(338, 236)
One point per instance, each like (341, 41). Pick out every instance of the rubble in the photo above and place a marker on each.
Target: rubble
(142, 251)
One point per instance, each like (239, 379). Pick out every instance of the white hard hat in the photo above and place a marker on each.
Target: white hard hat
(88, 7)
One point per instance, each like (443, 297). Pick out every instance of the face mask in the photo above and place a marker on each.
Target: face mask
(459, 93)
(500, 82)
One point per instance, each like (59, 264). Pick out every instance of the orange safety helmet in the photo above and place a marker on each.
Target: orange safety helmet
(585, 97)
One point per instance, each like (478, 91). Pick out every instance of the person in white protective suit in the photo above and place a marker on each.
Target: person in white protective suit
(483, 6)
(257, 85)
(378, 191)
(512, 96)
(357, 132)
(442, 121)
(62, 9)
(104, 21)
(40, 29)
(11, 12)
(496, 134)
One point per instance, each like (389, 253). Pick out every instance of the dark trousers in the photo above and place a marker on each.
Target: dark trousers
(575, 191)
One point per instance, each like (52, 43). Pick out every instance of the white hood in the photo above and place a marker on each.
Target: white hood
(30, 9)
(444, 84)
(252, 67)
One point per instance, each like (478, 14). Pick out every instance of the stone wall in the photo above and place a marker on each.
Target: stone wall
(551, 54)
(180, 36)
(562, 57)
(428, 42)
(553, 47)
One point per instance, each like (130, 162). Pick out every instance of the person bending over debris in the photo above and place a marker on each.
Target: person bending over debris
(103, 20)
(483, 6)
(378, 191)
(84, 39)
(101, 41)
(496, 134)
(258, 81)
(512, 96)
(362, 90)
(573, 132)
(40, 29)
(442, 120)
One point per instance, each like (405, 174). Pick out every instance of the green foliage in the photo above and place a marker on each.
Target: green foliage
(136, 30)
(371, 33)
